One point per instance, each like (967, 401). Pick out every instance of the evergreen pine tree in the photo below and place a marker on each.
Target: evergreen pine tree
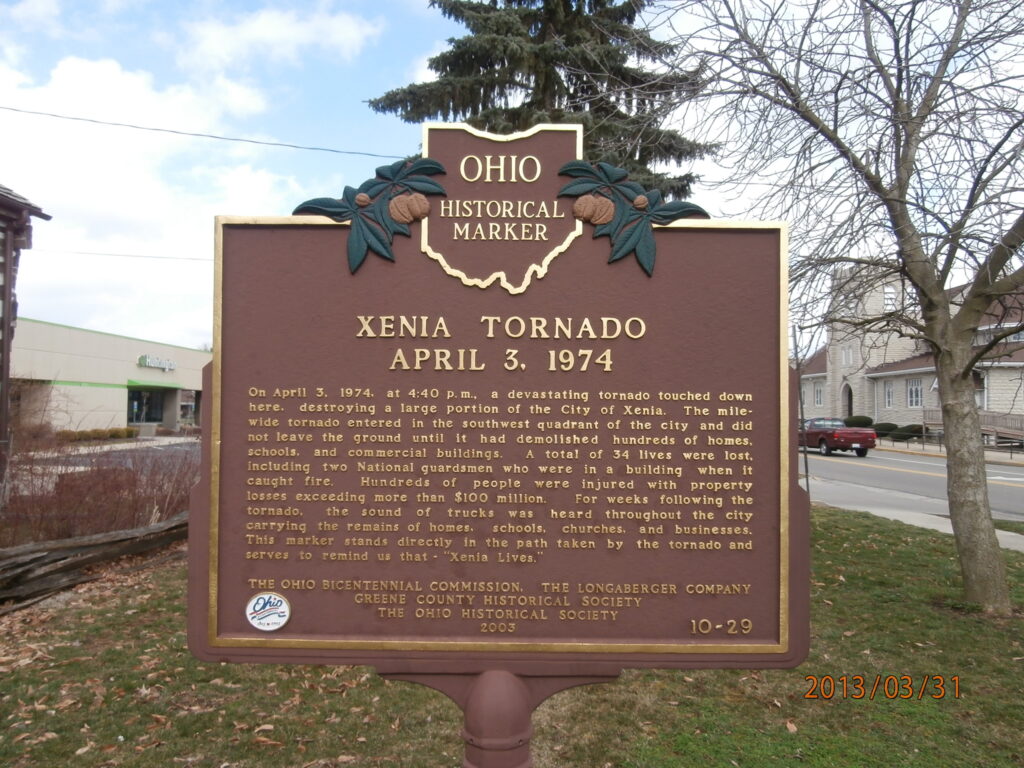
(558, 61)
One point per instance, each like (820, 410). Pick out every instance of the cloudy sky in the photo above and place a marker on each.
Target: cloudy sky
(129, 249)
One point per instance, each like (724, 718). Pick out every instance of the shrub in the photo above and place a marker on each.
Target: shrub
(36, 433)
(907, 432)
(55, 497)
(859, 421)
(97, 434)
(884, 428)
(131, 432)
(67, 435)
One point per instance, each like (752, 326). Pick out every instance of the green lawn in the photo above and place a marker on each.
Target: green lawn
(101, 677)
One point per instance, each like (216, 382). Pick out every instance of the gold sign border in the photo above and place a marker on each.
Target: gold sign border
(228, 641)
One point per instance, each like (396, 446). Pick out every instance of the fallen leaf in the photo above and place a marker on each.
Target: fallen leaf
(791, 726)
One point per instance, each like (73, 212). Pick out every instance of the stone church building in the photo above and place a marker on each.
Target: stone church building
(892, 378)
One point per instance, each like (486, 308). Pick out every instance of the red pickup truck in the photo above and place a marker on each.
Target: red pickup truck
(833, 435)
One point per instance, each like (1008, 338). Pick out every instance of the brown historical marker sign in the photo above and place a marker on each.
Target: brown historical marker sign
(488, 412)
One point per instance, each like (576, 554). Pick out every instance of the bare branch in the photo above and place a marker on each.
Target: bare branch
(889, 134)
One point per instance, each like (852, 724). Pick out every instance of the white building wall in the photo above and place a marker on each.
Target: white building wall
(1005, 389)
(853, 352)
(812, 408)
(881, 348)
(902, 412)
(81, 379)
(80, 407)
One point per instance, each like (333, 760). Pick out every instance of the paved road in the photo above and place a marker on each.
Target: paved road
(920, 476)
(909, 487)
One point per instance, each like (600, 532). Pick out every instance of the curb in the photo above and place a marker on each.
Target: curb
(998, 461)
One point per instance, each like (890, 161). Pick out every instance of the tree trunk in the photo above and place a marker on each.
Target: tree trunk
(981, 558)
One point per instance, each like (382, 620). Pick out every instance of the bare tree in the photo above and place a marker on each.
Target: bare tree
(890, 134)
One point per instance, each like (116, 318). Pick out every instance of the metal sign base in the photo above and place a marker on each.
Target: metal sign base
(497, 708)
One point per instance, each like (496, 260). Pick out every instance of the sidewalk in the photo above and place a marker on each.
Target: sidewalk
(1007, 539)
(106, 446)
(1003, 458)
(158, 441)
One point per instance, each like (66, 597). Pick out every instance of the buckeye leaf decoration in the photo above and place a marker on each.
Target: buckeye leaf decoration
(381, 207)
(621, 210)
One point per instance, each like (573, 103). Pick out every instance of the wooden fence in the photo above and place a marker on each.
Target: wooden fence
(31, 572)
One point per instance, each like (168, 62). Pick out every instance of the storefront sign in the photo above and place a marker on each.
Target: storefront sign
(501, 416)
(152, 361)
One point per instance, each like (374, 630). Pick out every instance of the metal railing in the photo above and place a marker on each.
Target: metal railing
(1003, 432)
(1006, 424)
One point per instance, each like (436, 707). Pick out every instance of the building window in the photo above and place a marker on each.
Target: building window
(980, 389)
(145, 406)
(887, 394)
(819, 394)
(848, 355)
(914, 393)
(890, 299)
(985, 335)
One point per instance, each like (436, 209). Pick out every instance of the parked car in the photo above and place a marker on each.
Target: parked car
(833, 435)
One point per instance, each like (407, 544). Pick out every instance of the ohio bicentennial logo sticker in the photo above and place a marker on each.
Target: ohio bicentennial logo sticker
(268, 611)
